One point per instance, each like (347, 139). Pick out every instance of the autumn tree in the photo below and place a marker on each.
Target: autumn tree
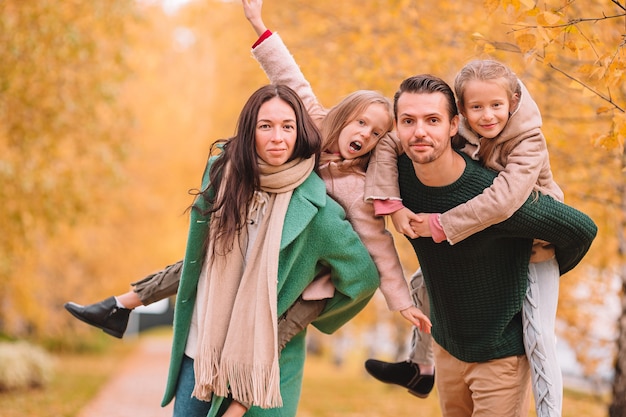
(61, 133)
(582, 45)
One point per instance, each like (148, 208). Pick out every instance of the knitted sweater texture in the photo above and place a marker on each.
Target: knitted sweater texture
(476, 287)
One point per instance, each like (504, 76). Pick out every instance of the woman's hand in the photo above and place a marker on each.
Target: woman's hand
(252, 11)
(235, 409)
(417, 318)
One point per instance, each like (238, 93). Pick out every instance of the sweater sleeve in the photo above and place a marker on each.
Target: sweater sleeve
(569, 230)
(381, 180)
(281, 68)
(508, 192)
(263, 36)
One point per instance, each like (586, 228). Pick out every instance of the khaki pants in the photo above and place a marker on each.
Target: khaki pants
(497, 388)
(164, 283)
(421, 343)
(159, 285)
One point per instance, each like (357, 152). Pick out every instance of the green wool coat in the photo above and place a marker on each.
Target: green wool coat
(315, 235)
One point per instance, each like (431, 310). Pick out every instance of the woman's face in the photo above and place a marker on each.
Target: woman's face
(362, 134)
(275, 133)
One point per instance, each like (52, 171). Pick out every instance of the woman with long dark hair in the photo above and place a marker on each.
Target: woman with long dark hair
(262, 227)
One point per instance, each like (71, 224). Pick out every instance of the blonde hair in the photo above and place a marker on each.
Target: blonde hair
(346, 111)
(486, 70)
(493, 71)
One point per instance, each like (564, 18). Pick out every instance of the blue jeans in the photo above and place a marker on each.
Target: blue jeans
(185, 405)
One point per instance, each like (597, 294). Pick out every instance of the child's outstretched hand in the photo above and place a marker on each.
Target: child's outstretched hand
(252, 11)
(417, 318)
(403, 221)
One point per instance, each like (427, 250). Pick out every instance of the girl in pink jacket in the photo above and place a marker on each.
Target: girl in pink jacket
(350, 131)
(501, 127)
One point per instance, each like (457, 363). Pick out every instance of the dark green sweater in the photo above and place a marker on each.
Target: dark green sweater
(476, 287)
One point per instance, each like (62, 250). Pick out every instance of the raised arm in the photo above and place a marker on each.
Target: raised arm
(278, 63)
(252, 11)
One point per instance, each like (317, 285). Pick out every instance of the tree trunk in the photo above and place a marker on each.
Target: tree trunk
(618, 404)
(617, 408)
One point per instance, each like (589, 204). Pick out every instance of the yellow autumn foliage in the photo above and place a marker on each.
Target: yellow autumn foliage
(107, 125)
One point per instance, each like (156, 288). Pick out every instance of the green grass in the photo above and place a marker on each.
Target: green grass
(77, 379)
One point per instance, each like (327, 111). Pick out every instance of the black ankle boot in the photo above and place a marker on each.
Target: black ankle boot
(105, 315)
(406, 374)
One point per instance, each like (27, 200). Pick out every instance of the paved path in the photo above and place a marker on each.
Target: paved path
(137, 387)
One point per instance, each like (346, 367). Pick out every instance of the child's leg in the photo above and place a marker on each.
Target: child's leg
(421, 343)
(160, 285)
(296, 318)
(129, 300)
(539, 318)
(416, 374)
(112, 314)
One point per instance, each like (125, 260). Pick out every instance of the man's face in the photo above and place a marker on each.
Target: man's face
(423, 126)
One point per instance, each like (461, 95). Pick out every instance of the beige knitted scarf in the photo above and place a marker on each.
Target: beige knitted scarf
(237, 303)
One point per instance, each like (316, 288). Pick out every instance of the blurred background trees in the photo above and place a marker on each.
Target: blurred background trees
(108, 109)
(62, 138)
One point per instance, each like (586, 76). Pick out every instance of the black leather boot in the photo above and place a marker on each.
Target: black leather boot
(105, 315)
(406, 374)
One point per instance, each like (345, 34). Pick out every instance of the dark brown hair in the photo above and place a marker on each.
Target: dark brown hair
(426, 84)
(239, 155)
